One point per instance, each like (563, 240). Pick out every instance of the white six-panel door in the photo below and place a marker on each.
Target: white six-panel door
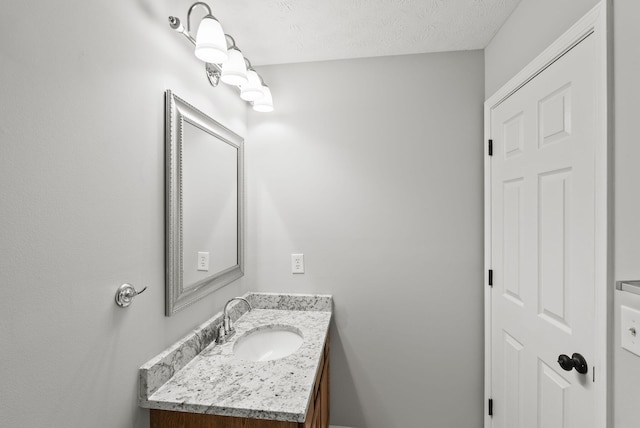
(543, 246)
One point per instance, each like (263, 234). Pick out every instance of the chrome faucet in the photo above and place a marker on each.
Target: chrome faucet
(226, 330)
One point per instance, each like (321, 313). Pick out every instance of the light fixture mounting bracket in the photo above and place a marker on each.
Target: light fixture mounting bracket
(213, 74)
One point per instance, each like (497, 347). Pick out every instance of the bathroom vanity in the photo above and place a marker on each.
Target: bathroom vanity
(200, 383)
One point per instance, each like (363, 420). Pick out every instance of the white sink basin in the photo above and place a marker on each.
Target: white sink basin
(267, 344)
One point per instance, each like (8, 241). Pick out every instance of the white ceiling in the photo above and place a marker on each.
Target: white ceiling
(287, 31)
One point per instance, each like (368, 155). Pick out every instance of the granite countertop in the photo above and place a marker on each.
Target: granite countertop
(196, 375)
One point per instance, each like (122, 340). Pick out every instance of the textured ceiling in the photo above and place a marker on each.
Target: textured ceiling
(286, 31)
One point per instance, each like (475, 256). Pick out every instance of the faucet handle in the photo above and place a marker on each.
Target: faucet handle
(221, 334)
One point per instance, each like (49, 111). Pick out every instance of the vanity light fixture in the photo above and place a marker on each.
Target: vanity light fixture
(252, 90)
(264, 104)
(211, 44)
(234, 70)
(223, 61)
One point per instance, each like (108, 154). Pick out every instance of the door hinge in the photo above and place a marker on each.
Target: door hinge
(490, 147)
(490, 406)
(490, 277)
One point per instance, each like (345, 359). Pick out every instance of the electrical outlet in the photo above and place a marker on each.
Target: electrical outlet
(297, 263)
(203, 261)
(630, 329)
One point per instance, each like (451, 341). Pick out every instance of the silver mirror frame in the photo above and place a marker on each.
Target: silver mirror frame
(177, 295)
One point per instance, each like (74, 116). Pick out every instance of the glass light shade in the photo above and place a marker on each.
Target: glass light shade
(264, 104)
(252, 90)
(211, 45)
(234, 70)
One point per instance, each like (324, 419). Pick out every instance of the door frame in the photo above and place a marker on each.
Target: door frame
(595, 24)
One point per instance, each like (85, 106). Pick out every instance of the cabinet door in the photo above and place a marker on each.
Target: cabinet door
(324, 395)
(318, 412)
(316, 416)
(308, 423)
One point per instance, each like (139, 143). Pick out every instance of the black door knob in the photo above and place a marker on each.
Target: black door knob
(576, 361)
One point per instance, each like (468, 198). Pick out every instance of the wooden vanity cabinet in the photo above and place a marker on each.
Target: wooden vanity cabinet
(317, 414)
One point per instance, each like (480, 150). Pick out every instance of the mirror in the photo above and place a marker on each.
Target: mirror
(204, 204)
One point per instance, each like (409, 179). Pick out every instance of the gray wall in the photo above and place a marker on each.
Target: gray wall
(627, 201)
(82, 204)
(533, 26)
(373, 169)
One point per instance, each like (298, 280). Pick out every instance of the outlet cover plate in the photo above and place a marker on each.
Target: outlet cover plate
(297, 263)
(630, 329)
(203, 261)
